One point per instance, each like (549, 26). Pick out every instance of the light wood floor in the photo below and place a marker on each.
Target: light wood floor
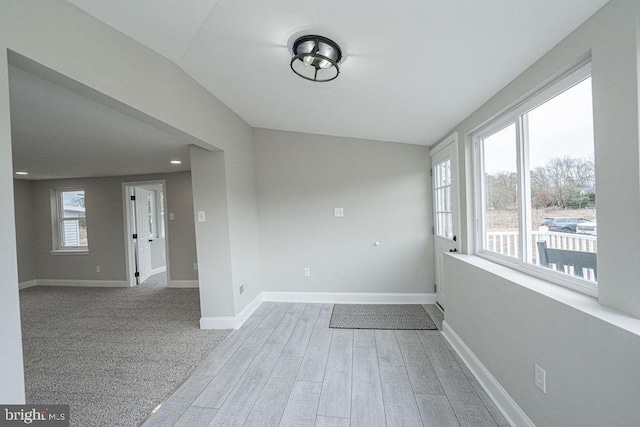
(286, 367)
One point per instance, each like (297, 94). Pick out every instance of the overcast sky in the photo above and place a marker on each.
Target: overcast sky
(560, 127)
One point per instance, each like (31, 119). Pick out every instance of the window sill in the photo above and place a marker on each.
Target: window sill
(575, 299)
(70, 252)
(548, 275)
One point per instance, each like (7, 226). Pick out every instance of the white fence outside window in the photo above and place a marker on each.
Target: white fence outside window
(506, 243)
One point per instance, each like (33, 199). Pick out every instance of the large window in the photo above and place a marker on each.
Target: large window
(70, 230)
(500, 181)
(536, 187)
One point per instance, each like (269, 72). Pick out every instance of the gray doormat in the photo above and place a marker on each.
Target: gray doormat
(380, 316)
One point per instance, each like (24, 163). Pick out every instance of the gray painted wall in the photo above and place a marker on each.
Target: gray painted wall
(11, 367)
(25, 230)
(105, 225)
(213, 239)
(242, 191)
(384, 189)
(592, 365)
(180, 231)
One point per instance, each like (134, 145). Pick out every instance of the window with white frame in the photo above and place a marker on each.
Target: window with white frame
(535, 185)
(70, 230)
(150, 203)
(442, 200)
(154, 203)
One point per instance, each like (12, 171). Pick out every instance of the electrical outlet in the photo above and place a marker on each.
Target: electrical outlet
(540, 378)
(338, 212)
(97, 269)
(307, 272)
(195, 266)
(241, 288)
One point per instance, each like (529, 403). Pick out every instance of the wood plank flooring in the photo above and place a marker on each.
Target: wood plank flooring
(286, 367)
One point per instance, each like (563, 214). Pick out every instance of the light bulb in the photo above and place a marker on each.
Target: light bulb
(308, 60)
(324, 63)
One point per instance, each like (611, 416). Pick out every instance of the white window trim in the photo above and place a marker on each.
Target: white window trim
(449, 186)
(70, 252)
(56, 207)
(515, 115)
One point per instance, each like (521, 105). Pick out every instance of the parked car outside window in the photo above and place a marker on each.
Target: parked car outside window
(549, 220)
(563, 224)
(590, 228)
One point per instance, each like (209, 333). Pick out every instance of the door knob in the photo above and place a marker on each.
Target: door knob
(455, 239)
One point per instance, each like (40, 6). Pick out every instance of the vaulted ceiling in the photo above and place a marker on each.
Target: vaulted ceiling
(413, 68)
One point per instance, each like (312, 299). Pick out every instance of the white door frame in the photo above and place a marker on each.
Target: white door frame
(128, 228)
(449, 144)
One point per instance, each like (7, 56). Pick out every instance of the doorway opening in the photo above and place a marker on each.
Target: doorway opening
(146, 233)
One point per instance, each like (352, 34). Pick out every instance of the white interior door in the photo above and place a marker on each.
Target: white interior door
(143, 200)
(446, 215)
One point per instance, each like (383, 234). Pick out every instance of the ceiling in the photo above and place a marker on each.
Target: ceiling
(413, 68)
(57, 133)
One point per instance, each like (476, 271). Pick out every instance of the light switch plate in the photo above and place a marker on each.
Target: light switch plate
(171, 216)
(338, 212)
(540, 378)
(201, 216)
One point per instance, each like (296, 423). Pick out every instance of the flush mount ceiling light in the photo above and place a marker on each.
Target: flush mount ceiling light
(316, 58)
(176, 162)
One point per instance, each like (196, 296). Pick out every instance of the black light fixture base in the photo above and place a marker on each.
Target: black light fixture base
(316, 58)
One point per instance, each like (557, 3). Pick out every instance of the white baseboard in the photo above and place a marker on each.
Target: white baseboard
(83, 283)
(507, 406)
(232, 322)
(144, 278)
(183, 284)
(227, 322)
(248, 310)
(158, 270)
(27, 284)
(350, 297)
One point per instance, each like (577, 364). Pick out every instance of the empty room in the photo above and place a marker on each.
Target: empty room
(320, 213)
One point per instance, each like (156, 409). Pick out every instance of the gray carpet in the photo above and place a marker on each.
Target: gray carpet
(113, 354)
(380, 316)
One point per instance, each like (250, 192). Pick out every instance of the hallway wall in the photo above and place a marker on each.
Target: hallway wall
(384, 189)
(105, 229)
